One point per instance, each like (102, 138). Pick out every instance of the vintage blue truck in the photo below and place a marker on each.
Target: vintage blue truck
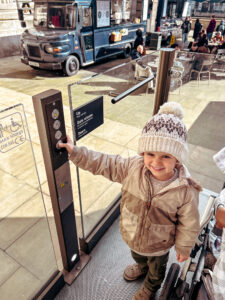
(69, 34)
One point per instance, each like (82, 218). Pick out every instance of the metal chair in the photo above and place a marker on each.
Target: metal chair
(205, 68)
(220, 56)
(177, 74)
(142, 72)
(220, 60)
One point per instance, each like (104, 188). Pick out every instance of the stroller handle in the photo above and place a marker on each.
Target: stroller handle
(208, 212)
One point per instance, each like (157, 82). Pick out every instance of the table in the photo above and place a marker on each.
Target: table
(212, 45)
(153, 64)
(185, 59)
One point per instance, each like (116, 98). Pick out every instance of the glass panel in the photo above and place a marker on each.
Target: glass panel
(123, 122)
(206, 9)
(55, 16)
(40, 15)
(126, 11)
(27, 258)
(197, 82)
(87, 16)
(204, 109)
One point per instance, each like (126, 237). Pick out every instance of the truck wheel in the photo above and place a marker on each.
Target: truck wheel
(169, 282)
(127, 51)
(71, 65)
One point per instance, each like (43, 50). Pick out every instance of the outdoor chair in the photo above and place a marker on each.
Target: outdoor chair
(220, 55)
(143, 72)
(205, 68)
(177, 74)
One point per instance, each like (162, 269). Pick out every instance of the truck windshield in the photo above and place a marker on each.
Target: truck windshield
(54, 16)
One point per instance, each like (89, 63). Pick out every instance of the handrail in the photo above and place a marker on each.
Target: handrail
(132, 89)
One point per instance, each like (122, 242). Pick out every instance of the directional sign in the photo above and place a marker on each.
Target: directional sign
(88, 117)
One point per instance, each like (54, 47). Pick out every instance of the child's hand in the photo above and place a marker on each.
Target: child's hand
(181, 258)
(220, 217)
(68, 145)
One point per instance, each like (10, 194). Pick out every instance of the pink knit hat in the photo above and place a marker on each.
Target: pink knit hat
(165, 132)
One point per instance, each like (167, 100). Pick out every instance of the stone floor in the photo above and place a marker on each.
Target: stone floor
(102, 278)
(26, 246)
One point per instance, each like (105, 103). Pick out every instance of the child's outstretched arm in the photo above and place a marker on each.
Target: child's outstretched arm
(113, 167)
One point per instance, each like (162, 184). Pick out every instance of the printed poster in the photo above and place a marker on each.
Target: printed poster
(103, 13)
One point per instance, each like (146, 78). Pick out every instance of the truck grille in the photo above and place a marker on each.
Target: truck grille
(34, 51)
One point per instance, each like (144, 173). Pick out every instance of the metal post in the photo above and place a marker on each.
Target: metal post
(163, 77)
(48, 107)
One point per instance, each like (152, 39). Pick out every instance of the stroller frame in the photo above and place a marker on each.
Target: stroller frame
(201, 286)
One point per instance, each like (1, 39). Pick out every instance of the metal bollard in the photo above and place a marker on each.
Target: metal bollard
(166, 59)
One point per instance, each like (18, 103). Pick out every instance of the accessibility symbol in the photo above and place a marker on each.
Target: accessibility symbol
(12, 133)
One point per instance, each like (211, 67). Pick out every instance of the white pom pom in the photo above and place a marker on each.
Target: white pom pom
(173, 108)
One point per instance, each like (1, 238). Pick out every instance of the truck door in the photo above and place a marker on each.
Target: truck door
(87, 34)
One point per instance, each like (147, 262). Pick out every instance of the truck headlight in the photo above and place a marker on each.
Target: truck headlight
(49, 49)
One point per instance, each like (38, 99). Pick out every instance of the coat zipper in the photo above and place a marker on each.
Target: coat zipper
(148, 203)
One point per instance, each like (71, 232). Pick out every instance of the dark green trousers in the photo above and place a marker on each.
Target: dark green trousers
(155, 268)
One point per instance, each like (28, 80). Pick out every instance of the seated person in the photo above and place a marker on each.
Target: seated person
(202, 44)
(203, 49)
(193, 47)
(138, 53)
(202, 40)
(139, 39)
(200, 35)
(176, 47)
(218, 37)
(223, 43)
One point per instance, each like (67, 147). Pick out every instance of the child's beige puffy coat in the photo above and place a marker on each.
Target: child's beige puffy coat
(148, 223)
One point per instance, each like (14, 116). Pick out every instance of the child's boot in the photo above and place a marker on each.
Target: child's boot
(133, 272)
(143, 294)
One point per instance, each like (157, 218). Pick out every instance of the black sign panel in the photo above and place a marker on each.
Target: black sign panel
(88, 117)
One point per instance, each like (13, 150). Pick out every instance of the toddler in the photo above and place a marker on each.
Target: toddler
(159, 206)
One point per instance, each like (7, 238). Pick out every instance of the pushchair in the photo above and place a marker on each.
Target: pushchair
(194, 282)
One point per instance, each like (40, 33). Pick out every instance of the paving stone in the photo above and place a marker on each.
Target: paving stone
(21, 285)
(34, 251)
(20, 220)
(8, 267)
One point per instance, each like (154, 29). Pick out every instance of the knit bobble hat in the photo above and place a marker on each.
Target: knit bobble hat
(165, 132)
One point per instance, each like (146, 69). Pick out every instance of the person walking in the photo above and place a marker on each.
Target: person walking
(221, 27)
(211, 27)
(186, 27)
(197, 29)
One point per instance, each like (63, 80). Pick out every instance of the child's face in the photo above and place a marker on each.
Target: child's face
(160, 164)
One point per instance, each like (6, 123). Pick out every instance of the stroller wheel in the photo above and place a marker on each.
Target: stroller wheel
(170, 281)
